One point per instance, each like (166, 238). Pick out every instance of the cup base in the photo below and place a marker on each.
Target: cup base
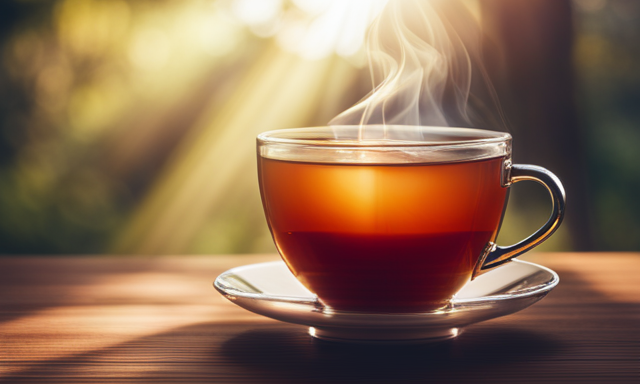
(389, 337)
(379, 309)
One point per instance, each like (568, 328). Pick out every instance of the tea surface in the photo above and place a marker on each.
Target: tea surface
(382, 238)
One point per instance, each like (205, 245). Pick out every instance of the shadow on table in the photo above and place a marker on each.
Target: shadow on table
(281, 353)
(484, 352)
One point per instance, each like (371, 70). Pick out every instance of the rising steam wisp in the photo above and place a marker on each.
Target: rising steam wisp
(426, 68)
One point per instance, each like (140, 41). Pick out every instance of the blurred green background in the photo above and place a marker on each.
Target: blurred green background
(129, 127)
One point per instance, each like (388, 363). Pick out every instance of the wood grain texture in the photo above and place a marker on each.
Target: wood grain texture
(85, 320)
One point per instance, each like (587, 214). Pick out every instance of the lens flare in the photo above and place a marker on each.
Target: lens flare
(313, 29)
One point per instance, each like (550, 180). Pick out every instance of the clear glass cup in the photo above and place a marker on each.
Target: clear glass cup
(392, 219)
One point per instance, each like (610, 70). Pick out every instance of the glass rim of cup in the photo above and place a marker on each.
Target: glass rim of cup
(369, 136)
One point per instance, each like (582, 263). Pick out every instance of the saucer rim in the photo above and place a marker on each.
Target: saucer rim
(230, 292)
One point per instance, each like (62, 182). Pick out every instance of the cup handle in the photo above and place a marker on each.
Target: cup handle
(495, 255)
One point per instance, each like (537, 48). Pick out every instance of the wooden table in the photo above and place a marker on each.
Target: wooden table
(119, 319)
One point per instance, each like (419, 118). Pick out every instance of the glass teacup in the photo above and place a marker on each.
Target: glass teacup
(392, 219)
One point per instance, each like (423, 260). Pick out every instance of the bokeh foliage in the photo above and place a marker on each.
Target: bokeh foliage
(128, 126)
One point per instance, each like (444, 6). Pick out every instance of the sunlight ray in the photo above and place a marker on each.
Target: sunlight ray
(207, 163)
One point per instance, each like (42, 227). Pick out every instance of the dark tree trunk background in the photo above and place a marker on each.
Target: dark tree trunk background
(529, 58)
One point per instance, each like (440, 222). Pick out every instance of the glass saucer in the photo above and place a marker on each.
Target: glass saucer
(269, 289)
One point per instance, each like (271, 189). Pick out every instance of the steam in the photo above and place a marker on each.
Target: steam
(426, 68)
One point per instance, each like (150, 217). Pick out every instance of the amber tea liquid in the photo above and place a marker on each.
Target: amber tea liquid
(382, 238)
